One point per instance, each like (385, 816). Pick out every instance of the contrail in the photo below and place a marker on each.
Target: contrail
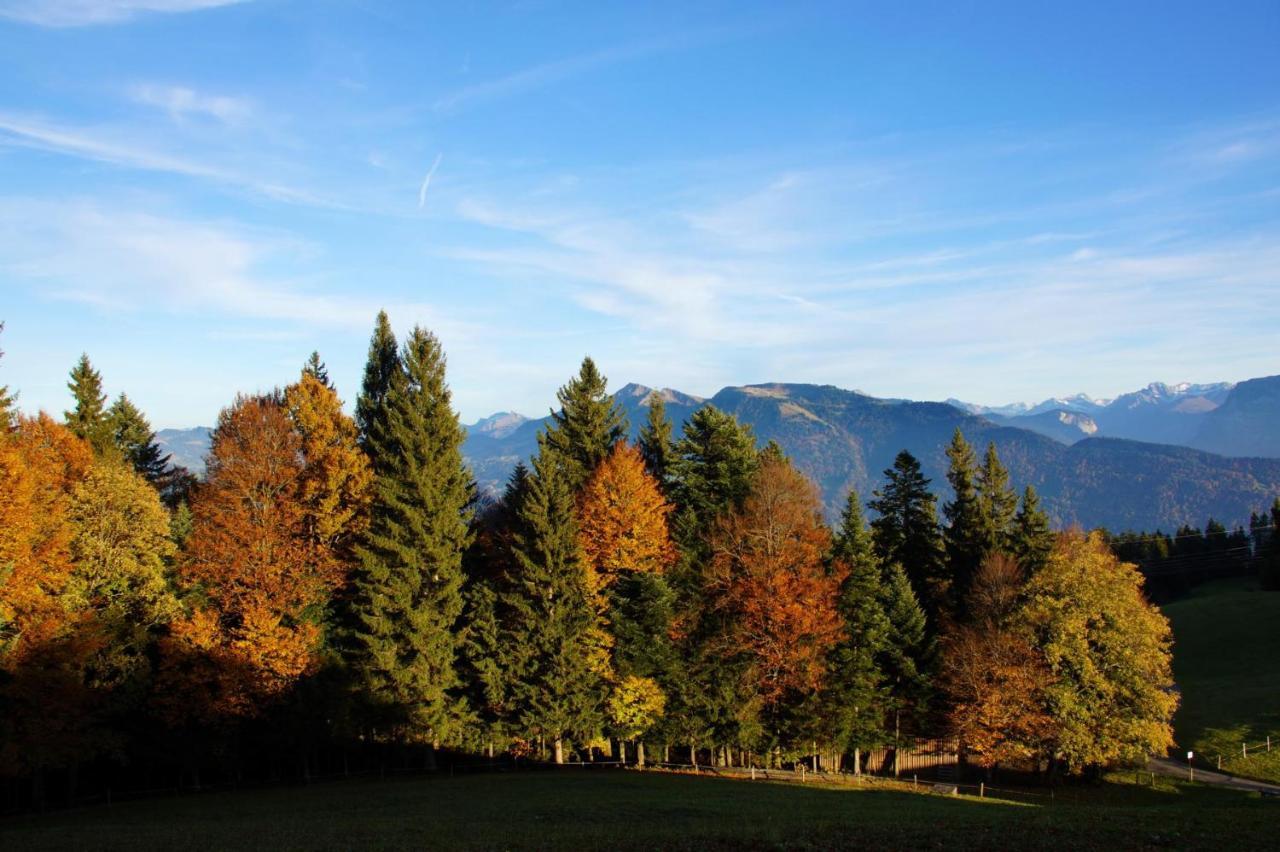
(426, 182)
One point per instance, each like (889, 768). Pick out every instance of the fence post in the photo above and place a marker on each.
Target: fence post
(1244, 749)
(753, 772)
(913, 780)
(1219, 761)
(982, 789)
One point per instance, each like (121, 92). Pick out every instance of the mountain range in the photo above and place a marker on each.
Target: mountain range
(1159, 457)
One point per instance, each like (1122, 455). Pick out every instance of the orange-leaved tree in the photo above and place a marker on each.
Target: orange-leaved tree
(261, 577)
(768, 581)
(622, 518)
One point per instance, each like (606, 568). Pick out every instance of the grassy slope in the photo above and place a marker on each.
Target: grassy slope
(1227, 663)
(630, 810)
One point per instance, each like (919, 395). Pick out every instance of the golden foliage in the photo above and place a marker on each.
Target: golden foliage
(623, 518)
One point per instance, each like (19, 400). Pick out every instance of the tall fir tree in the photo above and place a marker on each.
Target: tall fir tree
(999, 501)
(408, 585)
(656, 444)
(855, 695)
(382, 372)
(906, 531)
(1033, 538)
(907, 656)
(711, 472)
(88, 419)
(970, 532)
(136, 441)
(585, 428)
(550, 629)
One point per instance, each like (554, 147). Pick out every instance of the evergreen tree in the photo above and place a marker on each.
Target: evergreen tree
(906, 532)
(585, 428)
(550, 633)
(316, 369)
(999, 502)
(408, 586)
(89, 419)
(712, 469)
(907, 656)
(382, 372)
(970, 531)
(655, 440)
(1032, 536)
(856, 693)
(8, 415)
(134, 439)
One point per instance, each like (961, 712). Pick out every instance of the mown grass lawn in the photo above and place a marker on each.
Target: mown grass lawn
(632, 810)
(1226, 660)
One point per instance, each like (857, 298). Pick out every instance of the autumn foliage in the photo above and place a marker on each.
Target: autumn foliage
(623, 517)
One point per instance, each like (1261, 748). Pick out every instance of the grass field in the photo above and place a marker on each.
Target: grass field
(632, 810)
(1226, 661)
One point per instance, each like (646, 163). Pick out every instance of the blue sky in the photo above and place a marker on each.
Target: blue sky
(991, 201)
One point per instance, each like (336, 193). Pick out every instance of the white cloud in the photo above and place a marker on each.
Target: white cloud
(80, 13)
(181, 103)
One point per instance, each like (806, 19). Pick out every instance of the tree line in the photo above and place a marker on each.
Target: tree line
(334, 593)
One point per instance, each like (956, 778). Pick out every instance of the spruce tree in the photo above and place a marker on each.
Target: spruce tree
(856, 695)
(969, 533)
(408, 585)
(550, 630)
(1032, 536)
(999, 501)
(134, 439)
(711, 471)
(585, 428)
(906, 531)
(317, 369)
(88, 419)
(8, 415)
(382, 372)
(907, 657)
(655, 440)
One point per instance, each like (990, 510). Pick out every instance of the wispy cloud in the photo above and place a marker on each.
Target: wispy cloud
(80, 13)
(181, 102)
(106, 147)
(426, 181)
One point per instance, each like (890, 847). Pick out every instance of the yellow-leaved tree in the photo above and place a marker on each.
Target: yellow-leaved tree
(1109, 652)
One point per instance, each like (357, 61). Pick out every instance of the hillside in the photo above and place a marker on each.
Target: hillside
(1247, 423)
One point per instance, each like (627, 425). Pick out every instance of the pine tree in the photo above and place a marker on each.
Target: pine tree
(1032, 536)
(134, 439)
(382, 372)
(408, 586)
(907, 656)
(316, 369)
(8, 415)
(906, 532)
(999, 502)
(551, 629)
(655, 440)
(855, 697)
(89, 419)
(970, 532)
(585, 428)
(712, 469)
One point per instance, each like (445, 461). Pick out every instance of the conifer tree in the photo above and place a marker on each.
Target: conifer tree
(585, 428)
(712, 469)
(970, 532)
(551, 630)
(855, 696)
(907, 656)
(999, 502)
(408, 586)
(8, 416)
(906, 531)
(88, 419)
(316, 369)
(136, 441)
(656, 445)
(382, 371)
(1032, 536)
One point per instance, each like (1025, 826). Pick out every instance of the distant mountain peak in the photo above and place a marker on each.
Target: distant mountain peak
(641, 394)
(499, 425)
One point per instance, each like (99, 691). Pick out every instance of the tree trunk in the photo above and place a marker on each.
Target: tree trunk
(857, 761)
(693, 754)
(640, 753)
(559, 750)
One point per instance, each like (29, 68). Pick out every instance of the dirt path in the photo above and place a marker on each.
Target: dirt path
(1165, 766)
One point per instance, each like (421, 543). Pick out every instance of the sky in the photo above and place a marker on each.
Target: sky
(989, 201)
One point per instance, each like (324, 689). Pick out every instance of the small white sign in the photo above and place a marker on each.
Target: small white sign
(1190, 755)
